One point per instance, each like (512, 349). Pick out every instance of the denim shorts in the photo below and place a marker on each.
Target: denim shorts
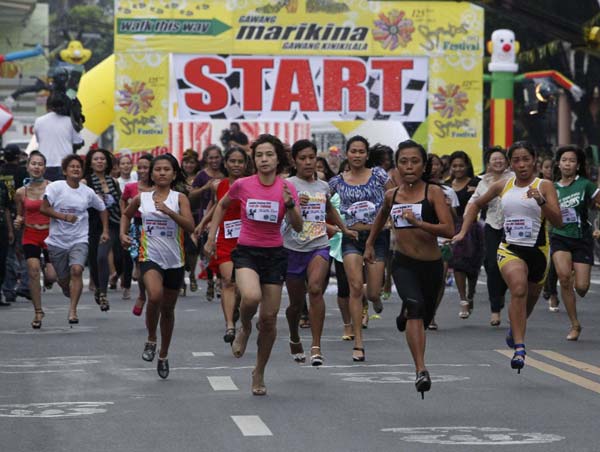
(381, 245)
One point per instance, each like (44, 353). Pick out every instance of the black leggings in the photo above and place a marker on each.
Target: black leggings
(418, 284)
(98, 255)
(495, 283)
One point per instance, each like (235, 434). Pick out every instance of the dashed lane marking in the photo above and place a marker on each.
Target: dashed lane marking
(222, 384)
(581, 365)
(251, 426)
(557, 372)
(202, 354)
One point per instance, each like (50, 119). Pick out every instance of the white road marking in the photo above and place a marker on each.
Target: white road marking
(202, 354)
(54, 409)
(394, 377)
(40, 371)
(222, 384)
(471, 436)
(252, 426)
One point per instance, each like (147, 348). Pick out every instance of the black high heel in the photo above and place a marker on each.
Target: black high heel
(423, 383)
(358, 358)
(518, 359)
(162, 367)
(229, 336)
(37, 323)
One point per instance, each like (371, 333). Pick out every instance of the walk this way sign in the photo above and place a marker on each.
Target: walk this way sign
(183, 66)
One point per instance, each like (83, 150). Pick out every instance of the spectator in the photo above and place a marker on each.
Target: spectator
(56, 136)
(234, 137)
(12, 175)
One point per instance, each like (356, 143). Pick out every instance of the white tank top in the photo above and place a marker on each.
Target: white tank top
(161, 240)
(523, 220)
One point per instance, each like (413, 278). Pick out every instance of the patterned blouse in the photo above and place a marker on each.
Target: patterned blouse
(360, 203)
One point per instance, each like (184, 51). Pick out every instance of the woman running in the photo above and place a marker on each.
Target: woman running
(166, 215)
(527, 202)
(67, 202)
(98, 165)
(496, 164)
(420, 215)
(235, 164)
(308, 251)
(200, 197)
(190, 165)
(361, 191)
(572, 245)
(28, 200)
(259, 259)
(467, 256)
(130, 191)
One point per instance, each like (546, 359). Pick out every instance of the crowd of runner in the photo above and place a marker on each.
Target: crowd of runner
(253, 217)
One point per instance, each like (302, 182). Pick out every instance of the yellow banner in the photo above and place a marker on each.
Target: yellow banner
(142, 93)
(450, 34)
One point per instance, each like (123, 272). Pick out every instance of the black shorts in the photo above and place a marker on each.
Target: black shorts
(582, 250)
(35, 252)
(535, 257)
(418, 284)
(269, 263)
(172, 277)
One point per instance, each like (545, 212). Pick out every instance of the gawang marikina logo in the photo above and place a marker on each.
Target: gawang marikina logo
(303, 36)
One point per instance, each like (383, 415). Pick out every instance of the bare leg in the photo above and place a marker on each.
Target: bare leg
(76, 286)
(167, 320)
(153, 283)
(248, 283)
(515, 274)
(353, 265)
(227, 293)
(415, 337)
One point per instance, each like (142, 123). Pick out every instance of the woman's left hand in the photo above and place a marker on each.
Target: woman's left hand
(162, 207)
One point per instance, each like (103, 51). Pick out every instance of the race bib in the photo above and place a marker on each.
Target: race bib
(160, 227)
(313, 211)
(569, 215)
(261, 210)
(398, 209)
(362, 211)
(518, 228)
(232, 229)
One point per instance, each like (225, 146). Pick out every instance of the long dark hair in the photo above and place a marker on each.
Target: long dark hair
(582, 169)
(328, 171)
(426, 162)
(247, 163)
(88, 161)
(465, 157)
(179, 177)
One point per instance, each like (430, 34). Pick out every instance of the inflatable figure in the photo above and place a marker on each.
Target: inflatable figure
(503, 65)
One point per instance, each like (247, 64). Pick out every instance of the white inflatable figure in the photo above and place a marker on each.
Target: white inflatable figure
(504, 48)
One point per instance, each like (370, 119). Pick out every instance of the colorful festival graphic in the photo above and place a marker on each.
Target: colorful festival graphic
(393, 30)
(136, 98)
(450, 101)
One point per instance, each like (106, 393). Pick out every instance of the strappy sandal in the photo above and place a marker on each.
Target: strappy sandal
(37, 322)
(229, 336)
(358, 358)
(104, 306)
(316, 359)
(574, 333)
(258, 389)
(347, 337)
(73, 320)
(465, 311)
(297, 352)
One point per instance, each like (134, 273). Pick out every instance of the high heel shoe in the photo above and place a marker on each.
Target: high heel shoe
(518, 359)
(347, 337)
(574, 333)
(358, 358)
(73, 320)
(229, 336)
(423, 382)
(465, 311)
(316, 359)
(297, 352)
(103, 301)
(37, 322)
(149, 351)
(162, 367)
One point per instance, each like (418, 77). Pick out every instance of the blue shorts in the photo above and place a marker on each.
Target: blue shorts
(381, 245)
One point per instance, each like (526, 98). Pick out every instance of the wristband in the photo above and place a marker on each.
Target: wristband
(542, 203)
(290, 205)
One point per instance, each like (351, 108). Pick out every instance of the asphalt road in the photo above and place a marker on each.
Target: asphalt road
(87, 389)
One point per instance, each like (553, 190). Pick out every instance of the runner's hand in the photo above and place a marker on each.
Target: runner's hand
(409, 216)
(104, 237)
(18, 222)
(458, 237)
(287, 195)
(369, 254)
(160, 206)
(209, 247)
(303, 198)
(535, 194)
(125, 241)
(350, 233)
(70, 218)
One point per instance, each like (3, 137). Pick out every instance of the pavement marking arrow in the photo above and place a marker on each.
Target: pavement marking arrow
(557, 372)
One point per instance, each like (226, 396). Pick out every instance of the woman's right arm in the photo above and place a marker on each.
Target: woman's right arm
(217, 218)
(474, 207)
(126, 216)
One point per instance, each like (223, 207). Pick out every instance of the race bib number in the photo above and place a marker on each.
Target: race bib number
(261, 210)
(399, 209)
(569, 215)
(362, 211)
(160, 227)
(314, 211)
(518, 228)
(232, 229)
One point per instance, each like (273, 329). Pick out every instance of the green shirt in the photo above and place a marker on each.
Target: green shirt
(573, 200)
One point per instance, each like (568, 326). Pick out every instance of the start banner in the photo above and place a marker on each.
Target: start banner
(277, 88)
